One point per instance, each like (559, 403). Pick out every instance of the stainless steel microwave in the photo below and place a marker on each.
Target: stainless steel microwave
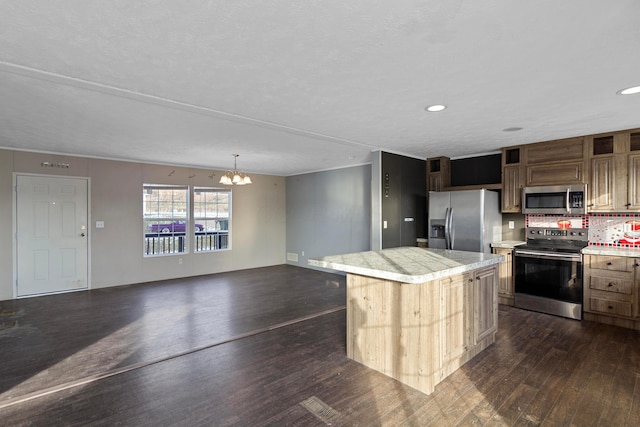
(555, 199)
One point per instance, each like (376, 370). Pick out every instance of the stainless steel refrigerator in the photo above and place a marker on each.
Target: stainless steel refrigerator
(466, 220)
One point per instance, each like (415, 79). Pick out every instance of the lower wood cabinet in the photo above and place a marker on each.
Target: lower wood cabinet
(612, 290)
(421, 333)
(455, 331)
(485, 299)
(506, 292)
(470, 313)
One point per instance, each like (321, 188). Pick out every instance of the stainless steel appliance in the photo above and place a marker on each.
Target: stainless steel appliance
(549, 271)
(556, 199)
(466, 220)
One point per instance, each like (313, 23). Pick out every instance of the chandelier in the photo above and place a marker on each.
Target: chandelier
(234, 177)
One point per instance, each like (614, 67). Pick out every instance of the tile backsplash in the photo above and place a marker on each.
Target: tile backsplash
(618, 230)
(557, 221)
(611, 230)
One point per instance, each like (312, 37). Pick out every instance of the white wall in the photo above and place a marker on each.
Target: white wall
(258, 224)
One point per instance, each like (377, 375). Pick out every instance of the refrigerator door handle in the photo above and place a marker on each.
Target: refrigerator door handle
(447, 230)
(452, 236)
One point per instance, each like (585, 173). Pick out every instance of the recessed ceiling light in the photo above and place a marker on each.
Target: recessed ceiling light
(434, 108)
(629, 90)
(513, 129)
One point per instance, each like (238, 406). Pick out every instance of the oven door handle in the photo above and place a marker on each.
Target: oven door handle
(549, 255)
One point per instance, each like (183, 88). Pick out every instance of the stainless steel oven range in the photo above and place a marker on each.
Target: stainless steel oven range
(548, 271)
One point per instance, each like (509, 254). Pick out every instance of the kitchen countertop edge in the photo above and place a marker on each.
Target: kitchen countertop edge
(600, 250)
(382, 271)
(508, 244)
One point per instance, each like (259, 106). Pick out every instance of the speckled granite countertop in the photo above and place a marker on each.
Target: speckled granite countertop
(408, 264)
(508, 244)
(601, 250)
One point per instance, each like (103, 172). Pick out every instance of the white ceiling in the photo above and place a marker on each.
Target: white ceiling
(300, 86)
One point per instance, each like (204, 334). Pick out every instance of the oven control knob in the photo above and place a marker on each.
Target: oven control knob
(533, 232)
(539, 231)
(573, 233)
(581, 233)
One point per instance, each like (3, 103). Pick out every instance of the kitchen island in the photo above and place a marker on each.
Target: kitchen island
(418, 314)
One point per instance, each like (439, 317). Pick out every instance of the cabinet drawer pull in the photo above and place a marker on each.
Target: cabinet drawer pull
(609, 263)
(610, 307)
(611, 284)
(628, 204)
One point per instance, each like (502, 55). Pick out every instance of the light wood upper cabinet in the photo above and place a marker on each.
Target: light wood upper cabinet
(555, 162)
(543, 163)
(608, 163)
(614, 176)
(438, 173)
(512, 189)
(562, 150)
(602, 188)
(511, 180)
(555, 173)
(633, 181)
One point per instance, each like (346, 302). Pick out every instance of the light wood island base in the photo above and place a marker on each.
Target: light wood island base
(419, 333)
(418, 314)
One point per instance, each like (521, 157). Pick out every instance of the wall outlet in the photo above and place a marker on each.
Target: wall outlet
(179, 260)
(512, 225)
(302, 253)
(384, 224)
(99, 224)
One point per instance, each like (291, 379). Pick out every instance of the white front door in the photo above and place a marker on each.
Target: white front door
(52, 234)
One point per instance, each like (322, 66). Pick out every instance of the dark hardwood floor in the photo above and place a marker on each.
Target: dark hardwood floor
(246, 348)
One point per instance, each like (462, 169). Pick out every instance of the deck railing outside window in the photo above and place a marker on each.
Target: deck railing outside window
(165, 244)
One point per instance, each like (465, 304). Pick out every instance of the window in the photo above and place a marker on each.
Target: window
(211, 212)
(166, 216)
(166, 219)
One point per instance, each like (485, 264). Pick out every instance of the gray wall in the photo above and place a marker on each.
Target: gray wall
(518, 231)
(328, 213)
(258, 223)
